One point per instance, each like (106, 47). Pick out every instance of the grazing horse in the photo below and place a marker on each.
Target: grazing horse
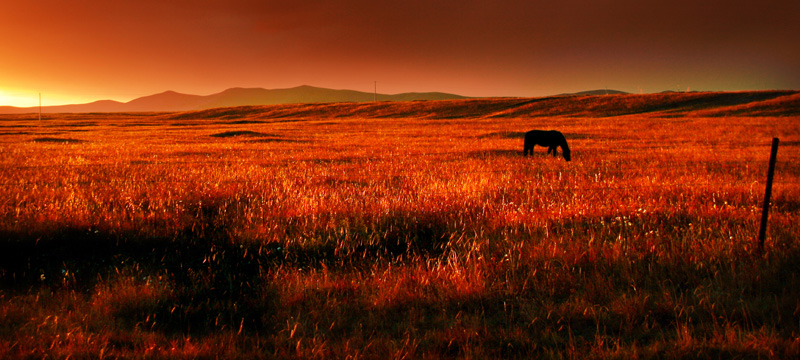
(551, 139)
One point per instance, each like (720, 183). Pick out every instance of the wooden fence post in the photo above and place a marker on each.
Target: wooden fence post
(762, 231)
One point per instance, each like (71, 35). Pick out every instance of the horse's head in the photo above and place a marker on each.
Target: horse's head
(565, 148)
(565, 151)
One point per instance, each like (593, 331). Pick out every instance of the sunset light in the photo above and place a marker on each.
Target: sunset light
(15, 98)
(118, 50)
(29, 98)
(408, 179)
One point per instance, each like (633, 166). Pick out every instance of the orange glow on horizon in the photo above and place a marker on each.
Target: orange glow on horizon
(85, 51)
(30, 98)
(18, 98)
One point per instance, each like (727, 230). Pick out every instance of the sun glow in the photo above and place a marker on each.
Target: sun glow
(30, 98)
(18, 98)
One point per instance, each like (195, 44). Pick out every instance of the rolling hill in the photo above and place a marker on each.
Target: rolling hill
(702, 104)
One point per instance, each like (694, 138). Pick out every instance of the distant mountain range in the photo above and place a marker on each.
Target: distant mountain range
(297, 103)
(173, 101)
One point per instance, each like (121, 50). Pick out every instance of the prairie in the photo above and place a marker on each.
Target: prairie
(404, 230)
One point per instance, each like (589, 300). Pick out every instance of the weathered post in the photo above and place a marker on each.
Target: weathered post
(762, 232)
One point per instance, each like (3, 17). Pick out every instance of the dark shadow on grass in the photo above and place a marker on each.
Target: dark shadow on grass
(482, 154)
(242, 122)
(503, 135)
(76, 124)
(273, 140)
(57, 140)
(216, 281)
(216, 284)
(188, 124)
(137, 124)
(245, 133)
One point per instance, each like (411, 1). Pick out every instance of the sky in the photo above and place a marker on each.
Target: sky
(80, 51)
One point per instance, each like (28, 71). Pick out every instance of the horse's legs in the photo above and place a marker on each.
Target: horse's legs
(554, 150)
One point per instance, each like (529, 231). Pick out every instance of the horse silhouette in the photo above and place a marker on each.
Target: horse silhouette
(551, 139)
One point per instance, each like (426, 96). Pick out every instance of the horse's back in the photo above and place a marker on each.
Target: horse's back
(544, 137)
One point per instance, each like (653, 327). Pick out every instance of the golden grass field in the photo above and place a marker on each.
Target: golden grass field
(404, 230)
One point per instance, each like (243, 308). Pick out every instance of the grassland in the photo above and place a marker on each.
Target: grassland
(403, 230)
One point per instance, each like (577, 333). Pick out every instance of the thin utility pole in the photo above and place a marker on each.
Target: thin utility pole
(375, 94)
(40, 106)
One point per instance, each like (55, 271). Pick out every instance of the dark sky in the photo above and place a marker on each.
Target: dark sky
(85, 50)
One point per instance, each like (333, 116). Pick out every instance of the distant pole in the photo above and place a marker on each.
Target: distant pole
(40, 106)
(375, 94)
(762, 231)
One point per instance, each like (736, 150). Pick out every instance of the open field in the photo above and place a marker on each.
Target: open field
(403, 230)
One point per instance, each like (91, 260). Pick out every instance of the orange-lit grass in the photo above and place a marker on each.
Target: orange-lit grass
(391, 237)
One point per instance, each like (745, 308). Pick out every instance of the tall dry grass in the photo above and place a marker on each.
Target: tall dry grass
(247, 233)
